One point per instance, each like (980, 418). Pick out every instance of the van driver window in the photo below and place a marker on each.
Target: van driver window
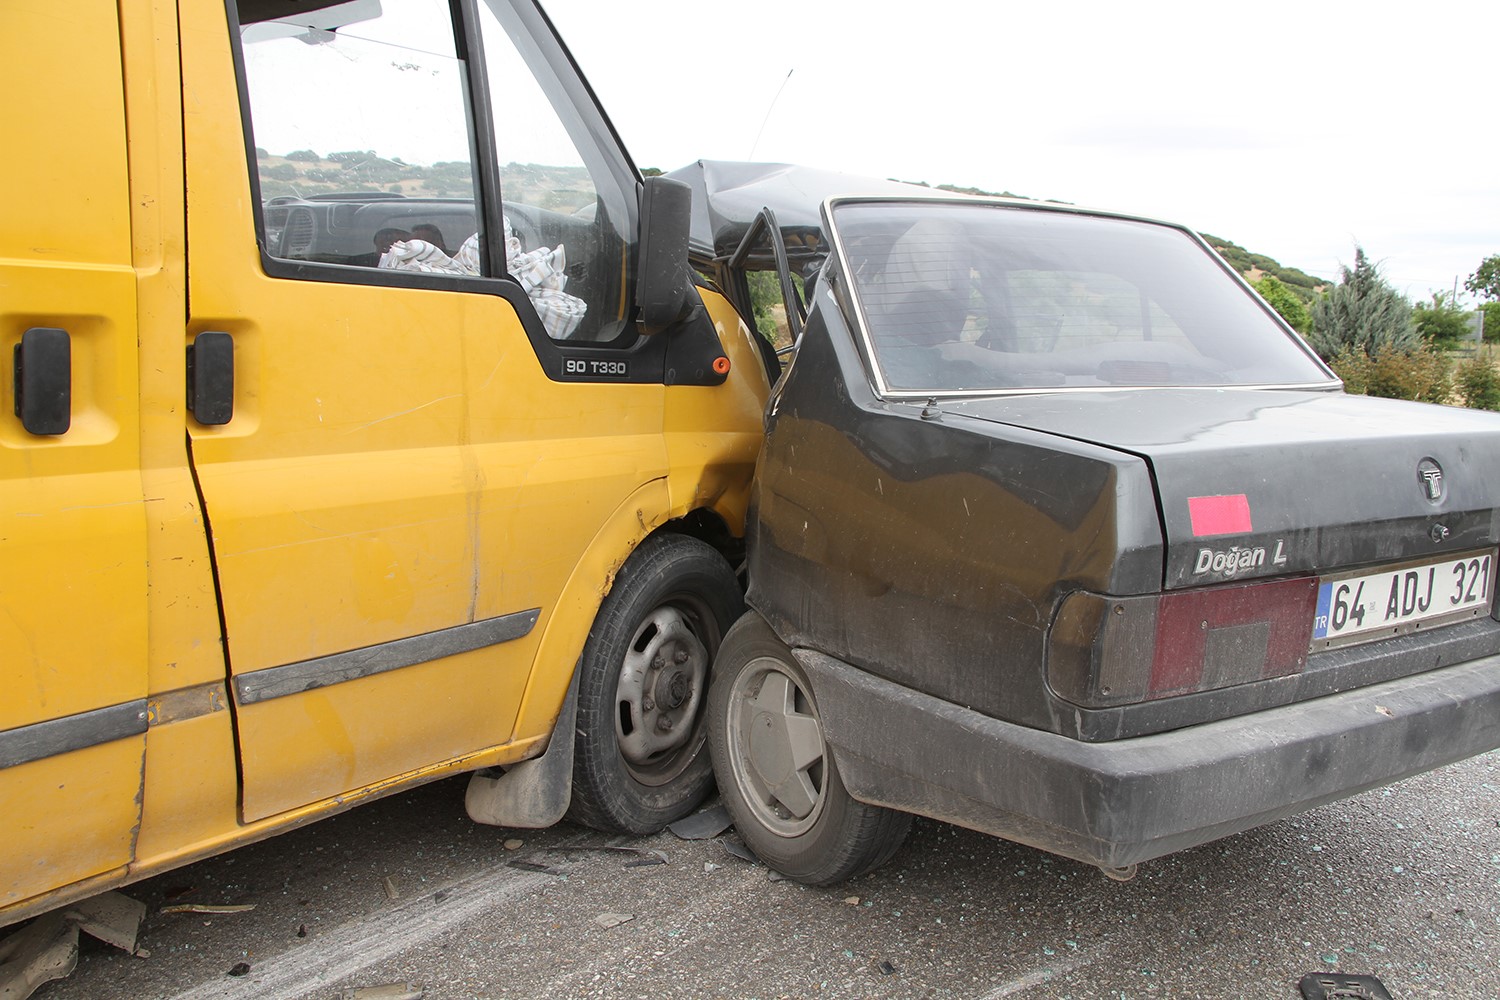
(361, 134)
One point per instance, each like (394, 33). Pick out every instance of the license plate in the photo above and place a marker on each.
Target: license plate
(1399, 599)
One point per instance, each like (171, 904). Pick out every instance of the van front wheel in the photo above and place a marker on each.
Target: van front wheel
(640, 760)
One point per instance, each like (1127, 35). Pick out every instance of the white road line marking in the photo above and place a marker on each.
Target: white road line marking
(367, 941)
(1045, 975)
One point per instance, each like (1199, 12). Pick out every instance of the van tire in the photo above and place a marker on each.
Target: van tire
(640, 754)
(777, 775)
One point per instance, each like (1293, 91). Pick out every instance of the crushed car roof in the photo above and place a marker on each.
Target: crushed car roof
(729, 194)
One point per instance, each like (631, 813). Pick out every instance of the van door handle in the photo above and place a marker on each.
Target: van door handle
(44, 381)
(210, 378)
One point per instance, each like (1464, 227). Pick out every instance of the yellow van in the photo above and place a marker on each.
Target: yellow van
(362, 408)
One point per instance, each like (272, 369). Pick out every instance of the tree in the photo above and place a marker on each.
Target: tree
(1491, 312)
(1485, 281)
(1285, 302)
(1442, 322)
(1362, 311)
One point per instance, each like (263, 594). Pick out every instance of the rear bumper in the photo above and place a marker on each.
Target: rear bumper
(1131, 800)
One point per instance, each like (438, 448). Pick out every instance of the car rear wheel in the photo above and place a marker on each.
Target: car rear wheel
(640, 760)
(776, 773)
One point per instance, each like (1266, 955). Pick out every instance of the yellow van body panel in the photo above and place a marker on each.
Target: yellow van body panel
(354, 505)
(68, 817)
(66, 198)
(713, 433)
(566, 629)
(190, 788)
(192, 791)
(72, 511)
(158, 570)
(712, 436)
(184, 650)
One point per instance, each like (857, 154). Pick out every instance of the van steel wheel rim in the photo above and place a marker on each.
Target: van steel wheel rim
(776, 748)
(660, 690)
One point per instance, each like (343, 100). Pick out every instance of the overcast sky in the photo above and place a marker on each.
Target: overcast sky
(1294, 130)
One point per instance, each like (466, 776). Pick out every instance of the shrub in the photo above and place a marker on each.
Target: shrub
(1353, 366)
(1478, 383)
(1421, 374)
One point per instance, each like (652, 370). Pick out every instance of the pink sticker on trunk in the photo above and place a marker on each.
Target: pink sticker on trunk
(1220, 515)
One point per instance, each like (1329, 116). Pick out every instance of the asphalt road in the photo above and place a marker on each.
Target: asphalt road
(1401, 883)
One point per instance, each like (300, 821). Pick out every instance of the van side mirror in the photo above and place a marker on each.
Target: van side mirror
(664, 281)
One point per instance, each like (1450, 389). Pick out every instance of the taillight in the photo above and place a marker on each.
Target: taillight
(1106, 651)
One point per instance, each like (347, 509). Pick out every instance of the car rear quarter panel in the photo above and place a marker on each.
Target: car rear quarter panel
(933, 551)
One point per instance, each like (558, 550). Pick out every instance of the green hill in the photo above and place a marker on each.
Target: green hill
(1254, 266)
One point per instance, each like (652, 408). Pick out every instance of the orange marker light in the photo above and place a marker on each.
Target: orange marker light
(721, 365)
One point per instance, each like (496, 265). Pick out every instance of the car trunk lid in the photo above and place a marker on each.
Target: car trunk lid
(1260, 483)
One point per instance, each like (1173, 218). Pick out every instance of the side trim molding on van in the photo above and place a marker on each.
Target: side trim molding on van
(308, 675)
(25, 744)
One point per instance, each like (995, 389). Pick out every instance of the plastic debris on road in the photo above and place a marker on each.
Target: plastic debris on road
(1341, 985)
(704, 825)
(47, 948)
(740, 851)
(207, 908)
(391, 991)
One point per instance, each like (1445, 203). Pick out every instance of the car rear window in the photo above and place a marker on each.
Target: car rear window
(958, 297)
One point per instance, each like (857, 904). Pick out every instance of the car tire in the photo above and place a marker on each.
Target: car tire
(776, 772)
(640, 760)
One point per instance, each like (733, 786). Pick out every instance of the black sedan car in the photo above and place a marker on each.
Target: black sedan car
(1060, 534)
